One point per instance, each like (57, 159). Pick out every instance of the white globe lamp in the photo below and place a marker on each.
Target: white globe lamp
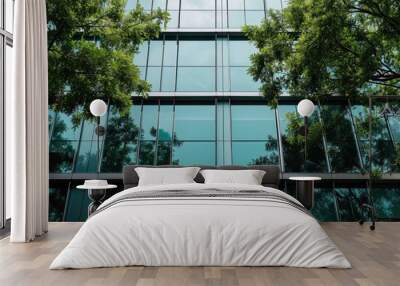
(305, 108)
(98, 107)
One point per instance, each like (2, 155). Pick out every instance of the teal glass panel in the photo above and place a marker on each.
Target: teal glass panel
(292, 130)
(121, 140)
(64, 129)
(197, 19)
(86, 161)
(236, 4)
(324, 205)
(255, 153)
(341, 144)
(254, 17)
(164, 153)
(222, 51)
(255, 5)
(173, 4)
(236, 19)
(130, 5)
(348, 200)
(168, 78)
(170, 52)
(196, 79)
(149, 122)
(383, 152)
(198, 4)
(240, 52)
(194, 153)
(222, 19)
(253, 122)
(89, 127)
(147, 152)
(223, 82)
(165, 123)
(195, 122)
(61, 155)
(140, 58)
(154, 77)
(174, 19)
(162, 4)
(146, 4)
(155, 53)
(196, 53)
(387, 201)
(242, 81)
(274, 4)
(57, 199)
(77, 205)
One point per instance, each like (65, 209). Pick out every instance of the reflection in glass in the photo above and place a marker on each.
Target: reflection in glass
(197, 5)
(236, 4)
(155, 53)
(168, 79)
(154, 77)
(242, 81)
(240, 52)
(149, 122)
(348, 200)
(173, 4)
(174, 19)
(194, 153)
(341, 145)
(57, 199)
(196, 53)
(255, 153)
(86, 161)
(324, 205)
(292, 130)
(140, 58)
(274, 4)
(197, 19)
(254, 17)
(147, 152)
(255, 4)
(387, 201)
(61, 155)
(170, 48)
(236, 19)
(196, 79)
(195, 122)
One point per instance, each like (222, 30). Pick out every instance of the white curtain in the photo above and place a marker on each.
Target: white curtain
(27, 127)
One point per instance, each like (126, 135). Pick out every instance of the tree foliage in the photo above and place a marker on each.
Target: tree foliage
(91, 46)
(318, 48)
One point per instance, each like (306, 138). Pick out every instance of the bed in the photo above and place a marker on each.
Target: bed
(198, 224)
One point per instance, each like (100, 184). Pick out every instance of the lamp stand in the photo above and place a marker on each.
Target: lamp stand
(305, 142)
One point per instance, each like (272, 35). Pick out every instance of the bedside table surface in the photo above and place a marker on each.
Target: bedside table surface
(96, 187)
(305, 178)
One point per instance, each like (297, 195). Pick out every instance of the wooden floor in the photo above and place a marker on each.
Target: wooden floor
(375, 257)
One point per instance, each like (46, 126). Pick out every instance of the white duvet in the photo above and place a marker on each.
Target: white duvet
(200, 231)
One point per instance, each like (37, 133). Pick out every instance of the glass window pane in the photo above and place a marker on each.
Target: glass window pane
(165, 123)
(149, 122)
(342, 150)
(140, 58)
(121, 140)
(130, 5)
(324, 207)
(57, 199)
(348, 202)
(223, 83)
(197, 19)
(162, 4)
(253, 122)
(242, 81)
(64, 129)
(236, 4)
(168, 79)
(274, 4)
(195, 122)
(164, 153)
(61, 156)
(292, 130)
(86, 161)
(254, 17)
(240, 52)
(204, 51)
(174, 19)
(235, 19)
(154, 77)
(155, 53)
(89, 128)
(198, 4)
(147, 152)
(194, 153)
(170, 47)
(387, 202)
(146, 4)
(196, 79)
(173, 4)
(255, 153)
(255, 4)
(222, 19)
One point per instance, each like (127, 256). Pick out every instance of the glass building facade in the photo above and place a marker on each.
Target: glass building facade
(204, 109)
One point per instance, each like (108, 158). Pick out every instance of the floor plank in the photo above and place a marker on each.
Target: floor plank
(375, 257)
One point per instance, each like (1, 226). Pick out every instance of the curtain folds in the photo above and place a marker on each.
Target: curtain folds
(27, 123)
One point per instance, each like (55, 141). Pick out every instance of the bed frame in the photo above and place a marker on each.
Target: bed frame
(270, 179)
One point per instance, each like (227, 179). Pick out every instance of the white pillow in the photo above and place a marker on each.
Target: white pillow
(166, 176)
(248, 177)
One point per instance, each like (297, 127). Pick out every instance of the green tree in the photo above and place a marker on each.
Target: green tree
(319, 48)
(91, 46)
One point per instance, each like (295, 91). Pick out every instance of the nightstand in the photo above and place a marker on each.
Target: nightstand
(96, 192)
(305, 190)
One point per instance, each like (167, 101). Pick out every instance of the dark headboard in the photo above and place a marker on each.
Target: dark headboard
(271, 177)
